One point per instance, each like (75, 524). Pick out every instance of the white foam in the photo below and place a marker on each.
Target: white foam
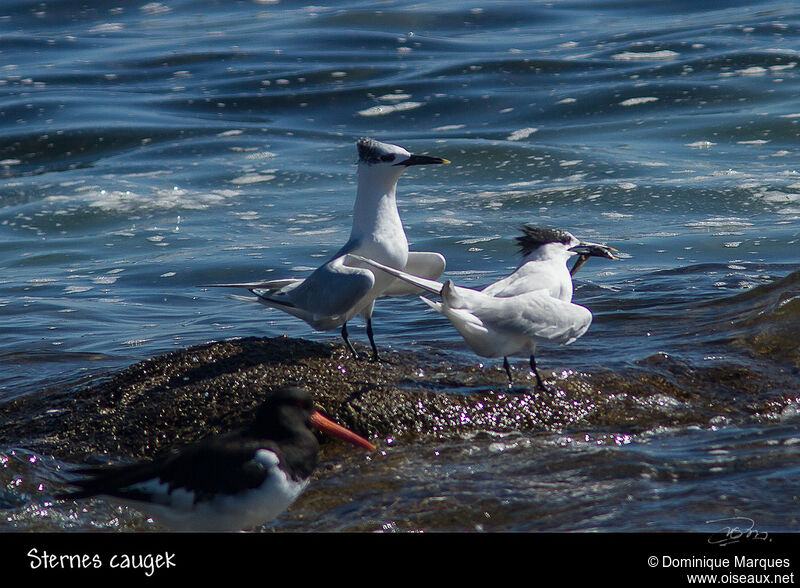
(752, 71)
(720, 222)
(394, 97)
(37, 282)
(109, 27)
(521, 134)
(157, 199)
(645, 56)
(77, 289)
(153, 8)
(637, 101)
(253, 178)
(389, 108)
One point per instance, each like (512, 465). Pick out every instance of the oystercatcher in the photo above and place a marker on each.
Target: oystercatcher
(228, 482)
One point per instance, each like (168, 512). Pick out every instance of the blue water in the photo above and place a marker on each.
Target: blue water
(152, 147)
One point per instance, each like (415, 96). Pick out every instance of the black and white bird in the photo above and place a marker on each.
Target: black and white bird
(340, 289)
(229, 482)
(530, 306)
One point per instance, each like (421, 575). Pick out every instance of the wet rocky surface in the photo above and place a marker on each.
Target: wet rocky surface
(188, 394)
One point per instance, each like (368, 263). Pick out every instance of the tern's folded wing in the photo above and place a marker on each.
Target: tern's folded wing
(538, 315)
(531, 276)
(330, 291)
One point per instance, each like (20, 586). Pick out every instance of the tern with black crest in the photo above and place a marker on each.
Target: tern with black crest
(342, 287)
(530, 306)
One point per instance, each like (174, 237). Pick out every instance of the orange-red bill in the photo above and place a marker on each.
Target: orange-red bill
(328, 426)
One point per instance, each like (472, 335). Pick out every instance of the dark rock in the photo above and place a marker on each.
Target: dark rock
(188, 394)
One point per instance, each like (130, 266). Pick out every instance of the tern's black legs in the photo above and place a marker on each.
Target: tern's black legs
(539, 381)
(372, 341)
(508, 371)
(347, 341)
(371, 336)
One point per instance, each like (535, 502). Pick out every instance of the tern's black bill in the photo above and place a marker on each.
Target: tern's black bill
(587, 249)
(422, 160)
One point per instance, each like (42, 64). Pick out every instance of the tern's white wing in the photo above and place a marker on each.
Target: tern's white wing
(537, 315)
(422, 264)
(327, 298)
(550, 275)
(497, 327)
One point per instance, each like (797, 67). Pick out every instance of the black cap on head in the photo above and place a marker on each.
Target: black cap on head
(371, 151)
(534, 237)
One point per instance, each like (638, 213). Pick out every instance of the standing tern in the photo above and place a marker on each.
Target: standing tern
(530, 306)
(229, 482)
(340, 289)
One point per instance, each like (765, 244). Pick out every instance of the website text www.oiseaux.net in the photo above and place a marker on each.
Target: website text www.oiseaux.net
(723, 570)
